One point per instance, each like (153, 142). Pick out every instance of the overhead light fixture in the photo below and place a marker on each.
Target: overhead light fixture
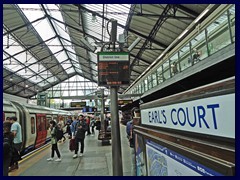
(113, 37)
(11, 78)
(134, 44)
(201, 15)
(26, 86)
(94, 18)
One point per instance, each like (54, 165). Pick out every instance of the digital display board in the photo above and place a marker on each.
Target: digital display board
(113, 68)
(78, 104)
(124, 102)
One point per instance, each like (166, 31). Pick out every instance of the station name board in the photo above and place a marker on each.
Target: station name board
(113, 68)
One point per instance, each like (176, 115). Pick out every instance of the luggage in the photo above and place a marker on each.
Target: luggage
(72, 145)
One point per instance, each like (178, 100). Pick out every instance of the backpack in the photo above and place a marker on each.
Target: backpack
(59, 134)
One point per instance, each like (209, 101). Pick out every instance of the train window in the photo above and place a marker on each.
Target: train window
(32, 125)
(39, 124)
(42, 123)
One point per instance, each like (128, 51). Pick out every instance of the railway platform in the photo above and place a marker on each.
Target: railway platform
(96, 160)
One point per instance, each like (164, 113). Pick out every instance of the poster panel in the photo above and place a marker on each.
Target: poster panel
(161, 161)
(140, 157)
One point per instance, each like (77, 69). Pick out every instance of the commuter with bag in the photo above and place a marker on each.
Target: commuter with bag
(79, 130)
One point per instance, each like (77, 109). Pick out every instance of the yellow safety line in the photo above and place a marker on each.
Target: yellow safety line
(27, 157)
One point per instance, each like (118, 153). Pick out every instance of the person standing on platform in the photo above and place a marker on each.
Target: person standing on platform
(16, 129)
(75, 120)
(53, 130)
(68, 129)
(7, 146)
(79, 130)
(98, 124)
(88, 125)
(92, 124)
(60, 131)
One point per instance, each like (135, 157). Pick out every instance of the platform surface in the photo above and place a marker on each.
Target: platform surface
(96, 160)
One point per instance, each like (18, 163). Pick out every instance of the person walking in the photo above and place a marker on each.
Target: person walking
(16, 129)
(79, 130)
(53, 130)
(92, 124)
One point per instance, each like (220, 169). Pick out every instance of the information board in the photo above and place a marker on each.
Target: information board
(113, 68)
(162, 161)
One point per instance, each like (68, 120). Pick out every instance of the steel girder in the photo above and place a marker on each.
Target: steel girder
(154, 31)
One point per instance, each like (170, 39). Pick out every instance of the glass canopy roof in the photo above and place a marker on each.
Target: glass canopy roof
(44, 44)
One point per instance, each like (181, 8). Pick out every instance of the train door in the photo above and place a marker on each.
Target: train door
(41, 130)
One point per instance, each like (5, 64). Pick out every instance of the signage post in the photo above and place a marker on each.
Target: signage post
(113, 71)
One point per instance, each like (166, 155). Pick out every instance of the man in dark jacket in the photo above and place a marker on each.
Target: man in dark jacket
(80, 129)
(7, 147)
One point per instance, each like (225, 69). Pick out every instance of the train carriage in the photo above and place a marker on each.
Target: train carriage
(34, 121)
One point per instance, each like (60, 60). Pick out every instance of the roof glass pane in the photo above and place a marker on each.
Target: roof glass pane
(115, 11)
(61, 56)
(14, 66)
(46, 74)
(41, 27)
(67, 64)
(55, 45)
(34, 67)
(10, 45)
(51, 79)
(42, 84)
(26, 73)
(13, 47)
(72, 56)
(31, 11)
(79, 70)
(76, 65)
(36, 79)
(70, 70)
(54, 11)
(232, 10)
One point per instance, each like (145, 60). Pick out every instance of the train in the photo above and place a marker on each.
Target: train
(34, 121)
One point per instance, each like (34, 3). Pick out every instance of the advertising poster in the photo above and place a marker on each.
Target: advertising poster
(141, 169)
(162, 161)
